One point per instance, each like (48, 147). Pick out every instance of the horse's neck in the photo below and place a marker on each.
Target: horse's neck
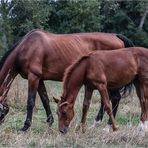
(73, 82)
(7, 72)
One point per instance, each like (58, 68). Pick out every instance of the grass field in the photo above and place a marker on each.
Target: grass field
(39, 135)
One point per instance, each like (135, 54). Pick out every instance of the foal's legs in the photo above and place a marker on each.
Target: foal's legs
(86, 104)
(107, 106)
(115, 99)
(33, 82)
(45, 100)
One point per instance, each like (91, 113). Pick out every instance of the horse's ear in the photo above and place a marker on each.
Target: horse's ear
(56, 100)
(62, 98)
(64, 103)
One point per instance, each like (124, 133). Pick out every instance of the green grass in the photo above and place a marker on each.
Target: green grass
(127, 119)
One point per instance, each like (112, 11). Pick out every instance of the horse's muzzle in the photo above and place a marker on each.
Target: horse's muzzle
(63, 130)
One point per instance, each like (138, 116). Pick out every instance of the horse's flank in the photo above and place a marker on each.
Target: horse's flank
(115, 61)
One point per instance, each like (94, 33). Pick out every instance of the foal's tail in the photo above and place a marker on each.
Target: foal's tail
(127, 42)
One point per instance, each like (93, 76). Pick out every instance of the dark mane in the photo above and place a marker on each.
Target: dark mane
(7, 53)
(3, 59)
(71, 68)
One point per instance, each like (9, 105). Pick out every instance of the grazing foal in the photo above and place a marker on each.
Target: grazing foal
(122, 67)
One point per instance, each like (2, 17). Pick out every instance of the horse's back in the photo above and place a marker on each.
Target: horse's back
(52, 53)
(116, 68)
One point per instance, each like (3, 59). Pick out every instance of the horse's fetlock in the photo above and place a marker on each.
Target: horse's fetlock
(27, 123)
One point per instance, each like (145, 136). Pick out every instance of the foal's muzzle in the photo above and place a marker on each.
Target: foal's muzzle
(63, 130)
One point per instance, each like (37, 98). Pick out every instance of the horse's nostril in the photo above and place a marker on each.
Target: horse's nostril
(63, 131)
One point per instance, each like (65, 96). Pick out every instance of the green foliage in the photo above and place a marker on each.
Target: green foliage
(74, 16)
(17, 17)
(28, 14)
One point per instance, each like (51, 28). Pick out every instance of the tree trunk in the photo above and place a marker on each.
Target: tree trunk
(143, 18)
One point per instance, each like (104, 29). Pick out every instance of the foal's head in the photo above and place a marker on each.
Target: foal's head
(65, 113)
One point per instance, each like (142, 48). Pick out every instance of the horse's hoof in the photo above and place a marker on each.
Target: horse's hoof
(77, 128)
(50, 120)
(24, 129)
(95, 124)
(81, 127)
(143, 127)
(115, 129)
(107, 128)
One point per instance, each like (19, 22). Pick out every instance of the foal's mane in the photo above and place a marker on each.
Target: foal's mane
(71, 68)
(7, 53)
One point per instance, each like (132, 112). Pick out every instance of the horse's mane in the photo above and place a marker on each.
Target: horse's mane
(71, 68)
(7, 53)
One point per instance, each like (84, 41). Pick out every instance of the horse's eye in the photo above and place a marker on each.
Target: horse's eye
(64, 113)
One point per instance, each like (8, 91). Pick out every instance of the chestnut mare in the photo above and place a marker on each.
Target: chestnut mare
(103, 70)
(44, 56)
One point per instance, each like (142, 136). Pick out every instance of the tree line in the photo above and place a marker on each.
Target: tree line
(17, 17)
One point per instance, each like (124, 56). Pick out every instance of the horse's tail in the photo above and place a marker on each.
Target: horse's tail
(127, 89)
(127, 42)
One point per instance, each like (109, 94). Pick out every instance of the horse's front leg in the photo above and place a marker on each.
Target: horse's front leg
(33, 82)
(45, 101)
(115, 99)
(99, 116)
(106, 101)
(86, 104)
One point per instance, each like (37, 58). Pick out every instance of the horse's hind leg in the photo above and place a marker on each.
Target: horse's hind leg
(33, 82)
(107, 106)
(115, 99)
(45, 100)
(100, 114)
(142, 93)
(86, 104)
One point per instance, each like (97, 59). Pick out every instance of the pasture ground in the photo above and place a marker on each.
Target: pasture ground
(39, 135)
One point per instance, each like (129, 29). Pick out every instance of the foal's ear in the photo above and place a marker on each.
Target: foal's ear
(64, 103)
(56, 100)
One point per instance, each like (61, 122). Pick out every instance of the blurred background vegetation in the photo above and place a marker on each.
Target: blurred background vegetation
(17, 17)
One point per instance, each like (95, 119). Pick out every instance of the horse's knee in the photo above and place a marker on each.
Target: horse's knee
(30, 104)
(107, 108)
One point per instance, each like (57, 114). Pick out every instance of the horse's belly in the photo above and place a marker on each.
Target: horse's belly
(121, 80)
(53, 74)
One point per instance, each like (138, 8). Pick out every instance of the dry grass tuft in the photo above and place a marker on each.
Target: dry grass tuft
(40, 135)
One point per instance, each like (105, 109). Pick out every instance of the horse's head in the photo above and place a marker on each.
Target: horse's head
(4, 109)
(65, 114)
